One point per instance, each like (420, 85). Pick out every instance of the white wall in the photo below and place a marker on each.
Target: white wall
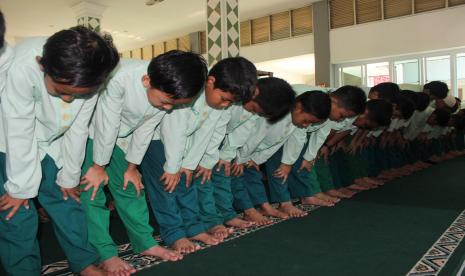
(436, 30)
(279, 49)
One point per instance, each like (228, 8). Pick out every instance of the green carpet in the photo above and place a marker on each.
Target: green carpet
(380, 232)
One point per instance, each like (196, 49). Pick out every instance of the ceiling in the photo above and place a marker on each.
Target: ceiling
(131, 22)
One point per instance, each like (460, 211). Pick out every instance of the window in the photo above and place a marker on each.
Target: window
(280, 27)
(302, 21)
(461, 75)
(368, 10)
(456, 2)
(245, 33)
(429, 5)
(396, 8)
(438, 69)
(341, 13)
(377, 73)
(407, 73)
(352, 75)
(260, 30)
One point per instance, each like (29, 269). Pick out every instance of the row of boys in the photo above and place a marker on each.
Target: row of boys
(75, 118)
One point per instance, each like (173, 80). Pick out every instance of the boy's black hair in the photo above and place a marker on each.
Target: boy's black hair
(181, 74)
(316, 103)
(406, 106)
(421, 101)
(2, 30)
(351, 97)
(387, 91)
(276, 98)
(438, 89)
(442, 116)
(379, 111)
(237, 76)
(79, 57)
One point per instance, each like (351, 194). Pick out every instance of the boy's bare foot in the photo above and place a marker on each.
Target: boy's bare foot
(336, 193)
(115, 265)
(347, 192)
(312, 200)
(219, 231)
(239, 223)
(254, 216)
(291, 210)
(358, 187)
(206, 239)
(328, 198)
(268, 210)
(163, 253)
(184, 246)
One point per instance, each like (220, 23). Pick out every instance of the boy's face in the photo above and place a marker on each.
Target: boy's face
(161, 99)
(339, 113)
(302, 119)
(252, 106)
(373, 95)
(363, 122)
(431, 120)
(396, 112)
(215, 97)
(67, 92)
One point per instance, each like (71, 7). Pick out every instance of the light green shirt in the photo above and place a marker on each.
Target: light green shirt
(267, 140)
(6, 58)
(186, 132)
(35, 124)
(317, 137)
(124, 116)
(417, 123)
(239, 128)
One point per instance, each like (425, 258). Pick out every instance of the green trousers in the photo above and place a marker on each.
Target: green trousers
(132, 209)
(216, 199)
(177, 213)
(248, 189)
(19, 248)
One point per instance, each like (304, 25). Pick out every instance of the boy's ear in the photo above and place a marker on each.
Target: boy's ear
(211, 80)
(255, 93)
(38, 59)
(146, 81)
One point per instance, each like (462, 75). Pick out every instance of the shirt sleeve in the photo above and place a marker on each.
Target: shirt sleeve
(73, 145)
(141, 138)
(173, 134)
(315, 141)
(107, 122)
(244, 153)
(23, 166)
(261, 157)
(236, 139)
(211, 156)
(293, 146)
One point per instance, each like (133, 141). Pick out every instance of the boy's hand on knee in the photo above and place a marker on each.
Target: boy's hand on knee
(74, 193)
(205, 173)
(283, 172)
(133, 175)
(237, 169)
(252, 164)
(8, 202)
(306, 165)
(170, 180)
(188, 174)
(227, 167)
(94, 177)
